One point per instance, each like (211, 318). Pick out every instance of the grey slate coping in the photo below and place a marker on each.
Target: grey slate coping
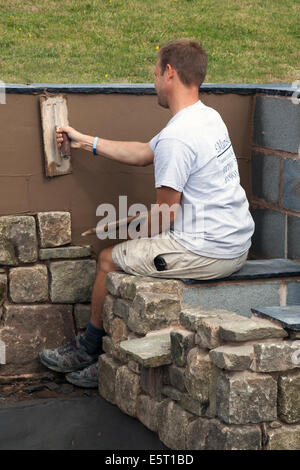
(278, 89)
(258, 269)
(288, 316)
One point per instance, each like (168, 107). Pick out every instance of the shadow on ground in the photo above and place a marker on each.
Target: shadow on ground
(76, 423)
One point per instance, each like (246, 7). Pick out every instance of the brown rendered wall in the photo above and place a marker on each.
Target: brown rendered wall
(24, 189)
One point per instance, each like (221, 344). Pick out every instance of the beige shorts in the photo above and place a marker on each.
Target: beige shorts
(137, 257)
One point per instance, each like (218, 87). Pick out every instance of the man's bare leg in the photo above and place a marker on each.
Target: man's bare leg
(105, 265)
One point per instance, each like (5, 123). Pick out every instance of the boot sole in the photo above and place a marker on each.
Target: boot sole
(82, 383)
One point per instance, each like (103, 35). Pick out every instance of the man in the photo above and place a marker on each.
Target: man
(196, 168)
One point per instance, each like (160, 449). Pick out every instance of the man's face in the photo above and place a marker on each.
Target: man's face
(160, 86)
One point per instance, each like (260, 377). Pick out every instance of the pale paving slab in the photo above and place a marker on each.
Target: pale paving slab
(150, 351)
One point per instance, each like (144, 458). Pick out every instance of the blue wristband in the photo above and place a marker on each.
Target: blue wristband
(94, 145)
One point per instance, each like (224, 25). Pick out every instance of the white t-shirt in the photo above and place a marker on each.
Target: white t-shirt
(193, 154)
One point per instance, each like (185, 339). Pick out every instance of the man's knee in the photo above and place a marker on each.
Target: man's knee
(105, 261)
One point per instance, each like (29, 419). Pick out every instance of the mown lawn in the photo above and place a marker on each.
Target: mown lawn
(105, 41)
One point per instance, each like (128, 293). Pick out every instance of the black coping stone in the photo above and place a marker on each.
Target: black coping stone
(258, 269)
(288, 316)
(277, 89)
(88, 423)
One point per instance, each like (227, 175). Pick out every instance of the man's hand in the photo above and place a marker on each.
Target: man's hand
(75, 136)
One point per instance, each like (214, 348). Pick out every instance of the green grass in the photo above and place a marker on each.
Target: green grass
(106, 41)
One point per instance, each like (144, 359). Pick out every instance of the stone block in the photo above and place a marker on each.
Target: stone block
(107, 367)
(108, 313)
(20, 231)
(119, 330)
(150, 351)
(134, 367)
(121, 308)
(266, 177)
(268, 240)
(72, 281)
(293, 229)
(152, 381)
(283, 438)
(146, 411)
(289, 397)
(177, 377)
(130, 286)
(208, 333)
(54, 228)
(191, 317)
(272, 357)
(66, 252)
(82, 313)
(171, 392)
(276, 123)
(246, 397)
(232, 357)
(193, 406)
(153, 312)
(113, 349)
(172, 424)
(225, 437)
(291, 184)
(3, 288)
(197, 433)
(181, 343)
(28, 329)
(127, 387)
(245, 329)
(7, 252)
(197, 375)
(29, 284)
(113, 281)
(236, 297)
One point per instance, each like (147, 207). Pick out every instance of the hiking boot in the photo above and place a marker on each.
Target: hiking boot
(87, 378)
(68, 358)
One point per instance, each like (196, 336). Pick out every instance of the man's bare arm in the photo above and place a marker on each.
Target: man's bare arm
(130, 153)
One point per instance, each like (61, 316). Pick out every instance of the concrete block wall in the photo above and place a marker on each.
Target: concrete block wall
(275, 201)
(45, 288)
(199, 378)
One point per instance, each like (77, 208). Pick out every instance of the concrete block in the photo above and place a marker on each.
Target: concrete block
(293, 293)
(268, 239)
(266, 177)
(291, 184)
(238, 297)
(293, 229)
(276, 123)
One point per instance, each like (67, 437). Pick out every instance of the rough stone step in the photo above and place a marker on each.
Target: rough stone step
(150, 351)
(288, 316)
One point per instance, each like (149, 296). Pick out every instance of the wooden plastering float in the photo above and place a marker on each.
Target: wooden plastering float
(54, 114)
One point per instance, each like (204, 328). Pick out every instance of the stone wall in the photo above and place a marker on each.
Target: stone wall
(275, 201)
(201, 379)
(45, 288)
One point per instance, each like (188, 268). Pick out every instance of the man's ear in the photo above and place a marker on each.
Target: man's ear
(170, 71)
